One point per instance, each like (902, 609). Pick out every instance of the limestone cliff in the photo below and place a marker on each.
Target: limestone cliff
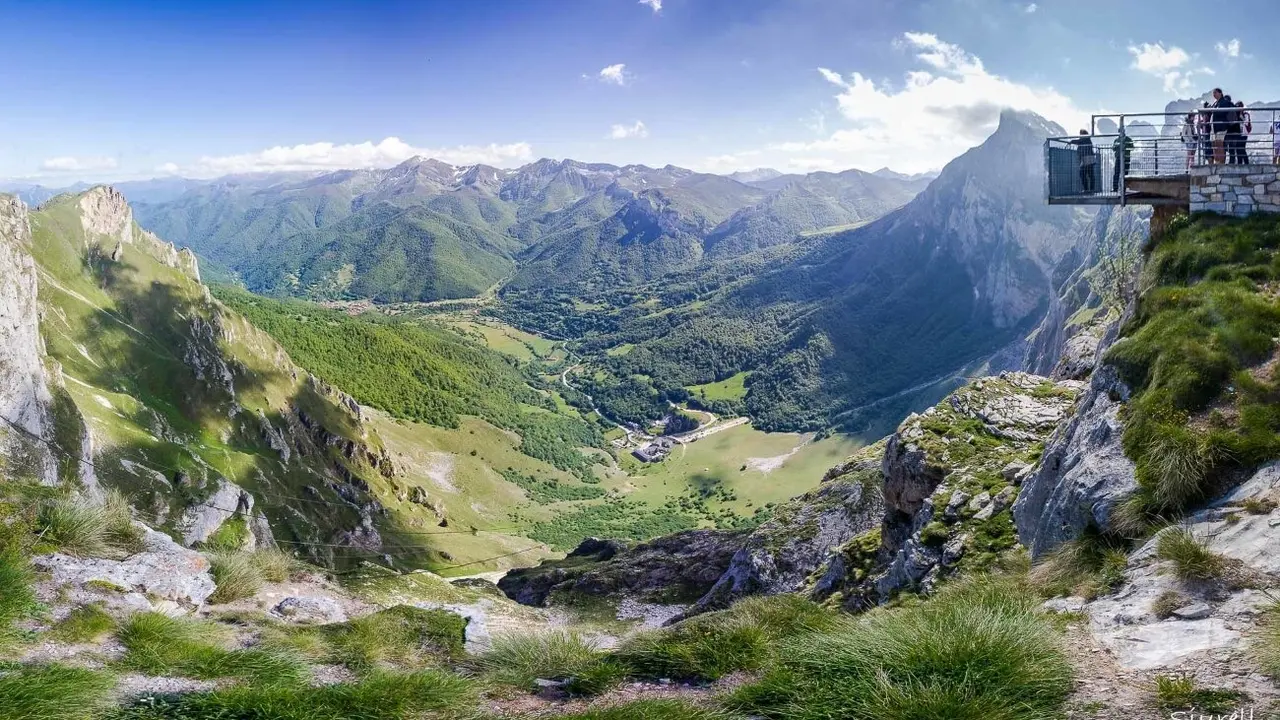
(25, 401)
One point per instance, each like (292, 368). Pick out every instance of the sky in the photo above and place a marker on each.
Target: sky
(95, 91)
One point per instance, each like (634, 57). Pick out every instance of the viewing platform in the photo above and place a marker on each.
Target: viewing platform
(1165, 160)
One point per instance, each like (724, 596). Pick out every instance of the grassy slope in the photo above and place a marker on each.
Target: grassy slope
(1200, 354)
(125, 334)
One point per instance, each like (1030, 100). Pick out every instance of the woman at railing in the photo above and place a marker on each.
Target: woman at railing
(1190, 137)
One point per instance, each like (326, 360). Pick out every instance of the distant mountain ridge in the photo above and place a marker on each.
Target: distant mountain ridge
(428, 230)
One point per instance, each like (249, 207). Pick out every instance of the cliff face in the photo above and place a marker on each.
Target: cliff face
(25, 401)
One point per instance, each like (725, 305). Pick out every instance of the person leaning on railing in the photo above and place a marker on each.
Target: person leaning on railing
(1220, 121)
(1238, 135)
(1088, 161)
(1123, 147)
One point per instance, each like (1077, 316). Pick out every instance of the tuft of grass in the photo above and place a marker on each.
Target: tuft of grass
(1181, 693)
(402, 636)
(1192, 560)
(79, 527)
(978, 649)
(648, 710)
(273, 564)
(235, 575)
(381, 696)
(519, 660)
(708, 647)
(704, 648)
(1258, 505)
(161, 645)
(86, 623)
(17, 596)
(1090, 565)
(1265, 645)
(1168, 601)
(121, 533)
(52, 692)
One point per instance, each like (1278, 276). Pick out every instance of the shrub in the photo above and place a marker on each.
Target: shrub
(518, 660)
(1191, 558)
(979, 649)
(161, 645)
(402, 635)
(1258, 506)
(1181, 693)
(122, 534)
(85, 624)
(1168, 601)
(52, 692)
(381, 696)
(235, 575)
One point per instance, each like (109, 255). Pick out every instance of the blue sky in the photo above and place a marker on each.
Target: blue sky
(130, 89)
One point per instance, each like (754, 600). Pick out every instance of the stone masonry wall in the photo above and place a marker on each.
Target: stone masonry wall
(1235, 189)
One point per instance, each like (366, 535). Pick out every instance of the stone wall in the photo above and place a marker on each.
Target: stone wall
(1235, 189)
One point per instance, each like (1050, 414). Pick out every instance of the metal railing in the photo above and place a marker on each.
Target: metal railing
(1098, 166)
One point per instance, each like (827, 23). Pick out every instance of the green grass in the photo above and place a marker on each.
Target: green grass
(52, 692)
(274, 565)
(80, 527)
(17, 594)
(235, 575)
(403, 636)
(708, 647)
(1190, 556)
(160, 645)
(1182, 694)
(731, 388)
(648, 710)
(519, 660)
(1090, 565)
(979, 649)
(1192, 353)
(1265, 643)
(86, 623)
(1168, 601)
(381, 696)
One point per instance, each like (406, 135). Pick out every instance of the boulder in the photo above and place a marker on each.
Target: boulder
(310, 610)
(673, 568)
(163, 570)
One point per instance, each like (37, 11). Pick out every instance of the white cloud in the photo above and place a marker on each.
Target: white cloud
(655, 5)
(68, 163)
(1030, 8)
(625, 132)
(616, 74)
(1169, 64)
(169, 169)
(944, 105)
(332, 156)
(1229, 49)
(1155, 59)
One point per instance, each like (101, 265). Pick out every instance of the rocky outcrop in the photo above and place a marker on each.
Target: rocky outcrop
(782, 554)
(164, 570)
(1204, 625)
(950, 476)
(24, 394)
(199, 522)
(106, 217)
(1084, 473)
(671, 569)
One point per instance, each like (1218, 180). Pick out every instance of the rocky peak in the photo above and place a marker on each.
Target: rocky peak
(24, 394)
(106, 216)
